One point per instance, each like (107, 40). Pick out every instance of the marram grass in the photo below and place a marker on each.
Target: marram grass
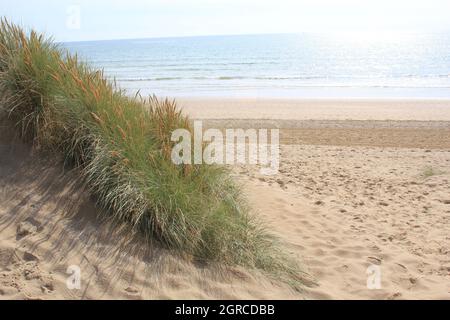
(122, 148)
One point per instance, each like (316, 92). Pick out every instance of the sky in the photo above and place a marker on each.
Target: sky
(82, 20)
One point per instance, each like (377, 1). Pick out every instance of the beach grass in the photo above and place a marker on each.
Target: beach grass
(121, 146)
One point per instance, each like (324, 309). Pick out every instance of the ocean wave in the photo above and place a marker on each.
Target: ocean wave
(285, 78)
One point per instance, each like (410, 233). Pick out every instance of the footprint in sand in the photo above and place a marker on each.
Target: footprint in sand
(132, 291)
(27, 227)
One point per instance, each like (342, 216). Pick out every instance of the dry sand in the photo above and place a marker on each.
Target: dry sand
(318, 109)
(47, 224)
(343, 209)
(373, 190)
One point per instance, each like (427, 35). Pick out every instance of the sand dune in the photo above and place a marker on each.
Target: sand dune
(47, 224)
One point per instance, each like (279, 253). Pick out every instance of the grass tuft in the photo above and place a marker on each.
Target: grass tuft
(122, 147)
(429, 171)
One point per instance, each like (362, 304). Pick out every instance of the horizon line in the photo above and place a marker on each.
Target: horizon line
(188, 36)
(251, 34)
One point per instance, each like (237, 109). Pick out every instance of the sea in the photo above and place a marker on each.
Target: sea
(304, 65)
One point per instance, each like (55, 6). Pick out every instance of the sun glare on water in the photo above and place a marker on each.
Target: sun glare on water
(371, 37)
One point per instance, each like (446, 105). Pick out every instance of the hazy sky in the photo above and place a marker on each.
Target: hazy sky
(117, 19)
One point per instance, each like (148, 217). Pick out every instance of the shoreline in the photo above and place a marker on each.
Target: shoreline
(232, 89)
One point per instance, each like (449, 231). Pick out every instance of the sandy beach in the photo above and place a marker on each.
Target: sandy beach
(317, 109)
(361, 183)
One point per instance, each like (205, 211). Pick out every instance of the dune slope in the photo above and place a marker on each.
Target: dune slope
(48, 223)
